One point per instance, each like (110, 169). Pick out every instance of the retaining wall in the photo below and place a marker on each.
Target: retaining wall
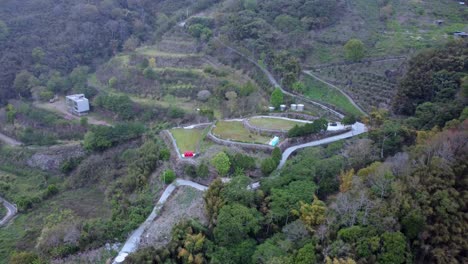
(246, 146)
(295, 115)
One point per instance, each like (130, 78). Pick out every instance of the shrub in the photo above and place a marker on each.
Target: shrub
(46, 95)
(168, 176)
(354, 50)
(221, 163)
(202, 170)
(276, 154)
(317, 126)
(50, 191)
(241, 161)
(268, 166)
(276, 98)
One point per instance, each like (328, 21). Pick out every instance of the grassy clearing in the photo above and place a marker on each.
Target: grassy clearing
(187, 139)
(321, 92)
(274, 123)
(237, 132)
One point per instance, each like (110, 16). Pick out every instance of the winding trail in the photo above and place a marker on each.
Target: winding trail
(10, 141)
(337, 88)
(11, 211)
(275, 83)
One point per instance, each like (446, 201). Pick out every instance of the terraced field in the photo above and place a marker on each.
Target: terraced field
(274, 123)
(319, 91)
(371, 84)
(235, 131)
(187, 139)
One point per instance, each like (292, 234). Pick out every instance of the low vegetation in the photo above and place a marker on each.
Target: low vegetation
(235, 130)
(187, 139)
(273, 123)
(321, 92)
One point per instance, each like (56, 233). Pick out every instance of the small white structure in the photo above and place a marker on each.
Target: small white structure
(271, 108)
(300, 107)
(274, 141)
(294, 107)
(77, 104)
(283, 107)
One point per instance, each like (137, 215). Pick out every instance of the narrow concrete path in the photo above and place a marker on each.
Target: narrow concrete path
(132, 243)
(356, 129)
(337, 88)
(10, 141)
(11, 211)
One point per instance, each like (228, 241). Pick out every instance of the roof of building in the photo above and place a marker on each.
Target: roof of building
(77, 97)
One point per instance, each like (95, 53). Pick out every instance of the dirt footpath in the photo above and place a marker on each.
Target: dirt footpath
(185, 203)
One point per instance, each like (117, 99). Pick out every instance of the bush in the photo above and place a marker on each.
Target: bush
(268, 166)
(202, 170)
(122, 105)
(175, 112)
(24, 257)
(317, 126)
(276, 154)
(46, 95)
(69, 165)
(241, 161)
(100, 138)
(221, 163)
(168, 176)
(51, 191)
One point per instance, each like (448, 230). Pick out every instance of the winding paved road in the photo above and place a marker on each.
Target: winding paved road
(356, 129)
(337, 88)
(131, 245)
(11, 211)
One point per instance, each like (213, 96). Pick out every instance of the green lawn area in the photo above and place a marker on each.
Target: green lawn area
(273, 123)
(321, 92)
(235, 131)
(187, 139)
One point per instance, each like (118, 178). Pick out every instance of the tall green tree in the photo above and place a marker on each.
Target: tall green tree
(221, 163)
(354, 50)
(276, 98)
(236, 223)
(23, 83)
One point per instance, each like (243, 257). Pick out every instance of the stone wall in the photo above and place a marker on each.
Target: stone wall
(295, 115)
(246, 146)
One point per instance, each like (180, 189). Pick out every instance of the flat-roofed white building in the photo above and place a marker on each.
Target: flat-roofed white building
(77, 104)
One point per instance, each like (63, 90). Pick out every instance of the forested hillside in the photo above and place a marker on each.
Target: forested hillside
(234, 131)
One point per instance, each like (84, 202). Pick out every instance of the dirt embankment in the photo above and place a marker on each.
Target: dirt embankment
(185, 203)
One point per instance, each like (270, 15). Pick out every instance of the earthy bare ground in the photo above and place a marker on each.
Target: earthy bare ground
(60, 107)
(185, 203)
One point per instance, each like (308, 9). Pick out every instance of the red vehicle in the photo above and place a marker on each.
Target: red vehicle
(189, 154)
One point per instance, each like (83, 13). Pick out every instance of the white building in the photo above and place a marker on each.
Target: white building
(77, 104)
